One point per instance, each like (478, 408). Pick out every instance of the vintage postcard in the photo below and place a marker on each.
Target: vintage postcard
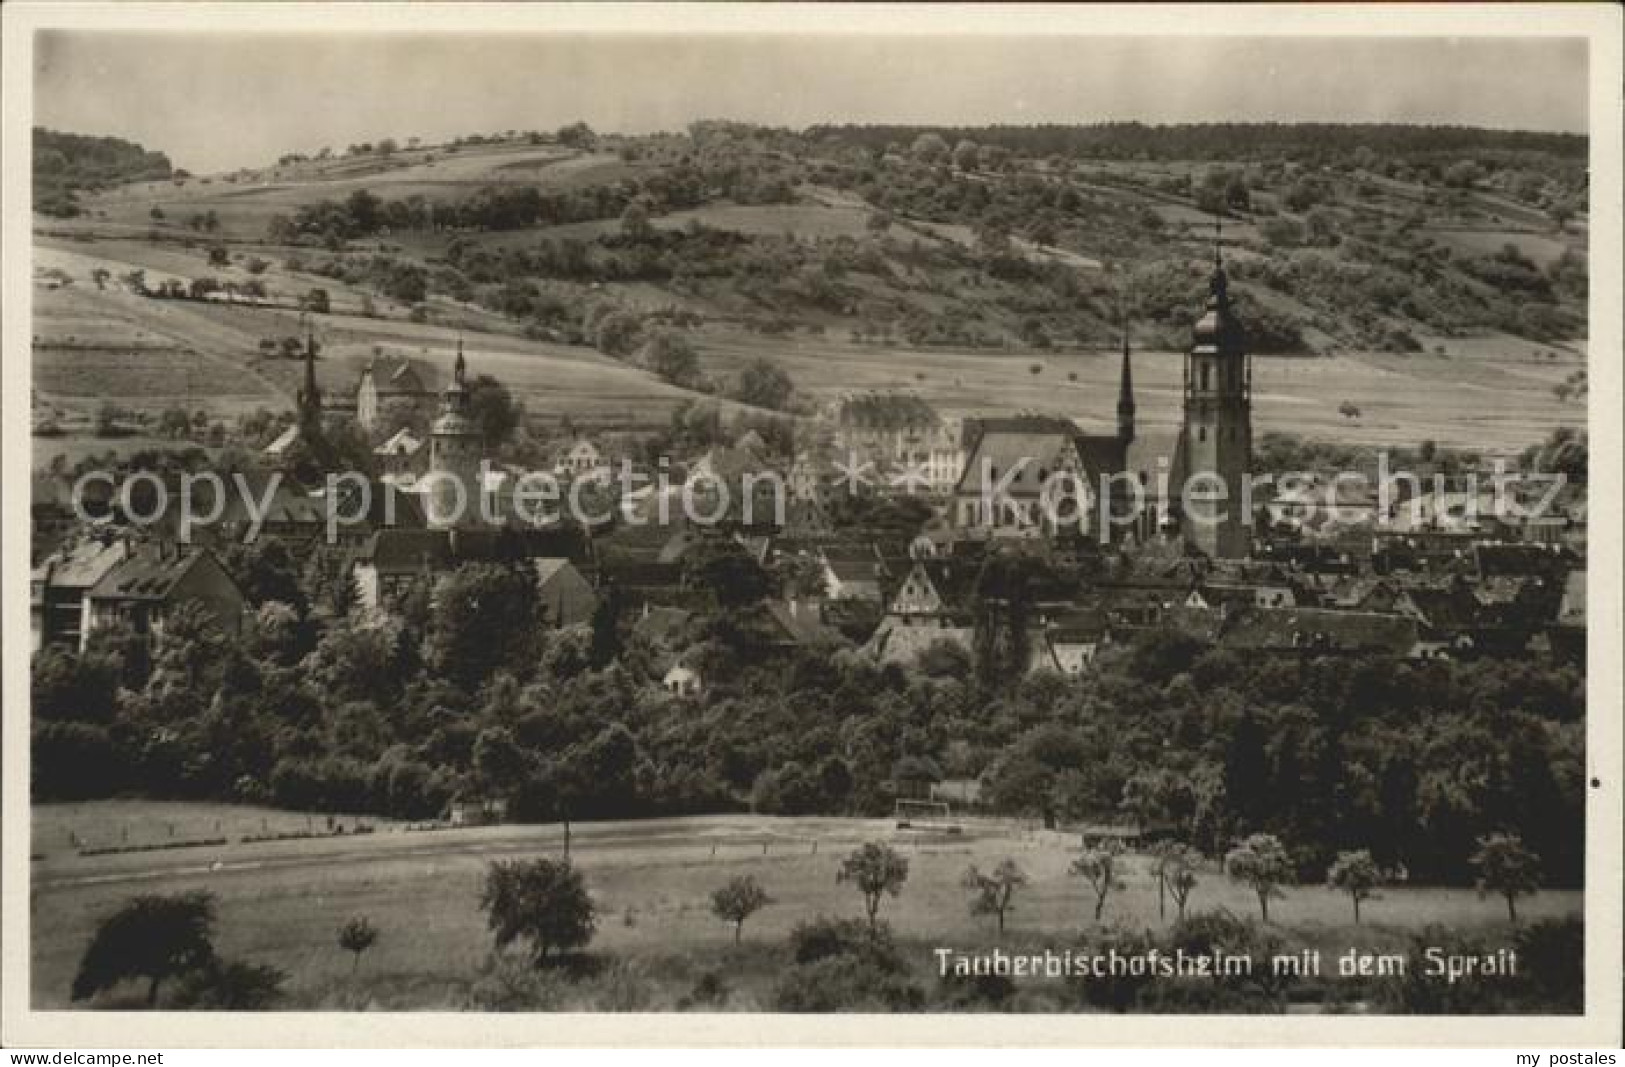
(763, 517)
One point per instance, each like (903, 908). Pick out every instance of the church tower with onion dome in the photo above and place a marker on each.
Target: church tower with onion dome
(1216, 444)
(453, 479)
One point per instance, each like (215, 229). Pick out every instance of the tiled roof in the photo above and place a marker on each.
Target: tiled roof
(1033, 455)
(394, 376)
(402, 550)
(81, 566)
(149, 574)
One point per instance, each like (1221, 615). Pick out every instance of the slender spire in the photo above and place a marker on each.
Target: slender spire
(1125, 396)
(1219, 286)
(460, 368)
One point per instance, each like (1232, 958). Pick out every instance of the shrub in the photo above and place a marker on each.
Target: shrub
(824, 938)
(1418, 993)
(623, 987)
(710, 991)
(1551, 958)
(973, 992)
(842, 984)
(230, 985)
(505, 983)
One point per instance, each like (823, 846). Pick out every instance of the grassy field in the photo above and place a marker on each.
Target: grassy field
(245, 206)
(1504, 404)
(282, 903)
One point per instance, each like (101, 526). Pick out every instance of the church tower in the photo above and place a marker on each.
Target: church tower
(454, 456)
(1218, 434)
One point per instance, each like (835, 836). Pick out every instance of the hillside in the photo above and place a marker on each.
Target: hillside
(977, 267)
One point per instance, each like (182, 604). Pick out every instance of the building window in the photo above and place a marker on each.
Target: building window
(1205, 369)
(1201, 433)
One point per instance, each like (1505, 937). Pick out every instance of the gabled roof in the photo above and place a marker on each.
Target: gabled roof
(398, 550)
(393, 375)
(953, 580)
(402, 443)
(1032, 454)
(549, 568)
(151, 573)
(278, 502)
(1448, 609)
(81, 566)
(895, 643)
(801, 623)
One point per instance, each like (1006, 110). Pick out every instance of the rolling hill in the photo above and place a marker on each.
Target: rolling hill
(1440, 291)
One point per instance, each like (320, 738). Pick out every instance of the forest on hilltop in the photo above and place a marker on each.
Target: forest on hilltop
(65, 163)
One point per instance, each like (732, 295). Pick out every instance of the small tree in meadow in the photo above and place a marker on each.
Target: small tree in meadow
(991, 894)
(356, 937)
(737, 901)
(1356, 874)
(1262, 863)
(1175, 868)
(1506, 867)
(1099, 867)
(878, 871)
(541, 901)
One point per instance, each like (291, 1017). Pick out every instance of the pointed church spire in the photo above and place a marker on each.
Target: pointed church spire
(460, 368)
(1125, 398)
(1220, 284)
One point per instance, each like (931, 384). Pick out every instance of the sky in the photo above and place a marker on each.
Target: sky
(217, 101)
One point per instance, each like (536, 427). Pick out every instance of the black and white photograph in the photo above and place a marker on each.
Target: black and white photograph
(812, 513)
